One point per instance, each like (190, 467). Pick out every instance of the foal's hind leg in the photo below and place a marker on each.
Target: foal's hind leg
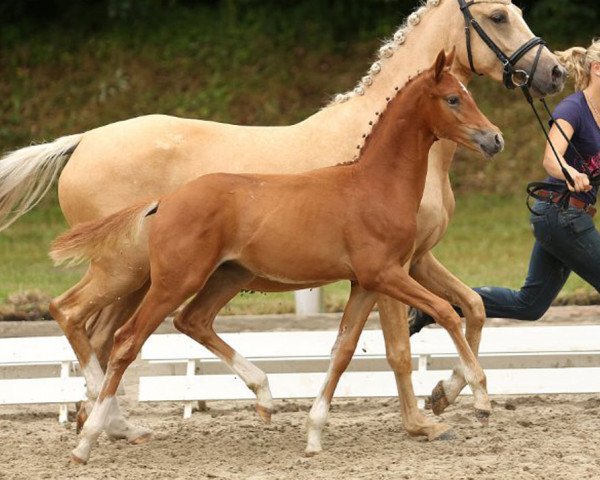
(394, 324)
(70, 310)
(157, 304)
(434, 276)
(355, 315)
(196, 321)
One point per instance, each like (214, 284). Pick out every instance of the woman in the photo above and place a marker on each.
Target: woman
(566, 239)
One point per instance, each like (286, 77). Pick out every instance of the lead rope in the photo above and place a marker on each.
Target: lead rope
(564, 195)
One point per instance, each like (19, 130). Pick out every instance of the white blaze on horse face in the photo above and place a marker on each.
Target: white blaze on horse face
(464, 88)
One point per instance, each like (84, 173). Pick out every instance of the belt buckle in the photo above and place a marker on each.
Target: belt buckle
(590, 210)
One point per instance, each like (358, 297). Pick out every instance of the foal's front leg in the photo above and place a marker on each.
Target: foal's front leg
(355, 315)
(393, 281)
(430, 273)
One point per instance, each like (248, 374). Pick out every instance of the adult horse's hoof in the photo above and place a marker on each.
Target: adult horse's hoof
(439, 402)
(81, 418)
(444, 433)
(483, 416)
(264, 413)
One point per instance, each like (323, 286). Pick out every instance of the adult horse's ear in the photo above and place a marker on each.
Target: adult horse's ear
(440, 63)
(450, 57)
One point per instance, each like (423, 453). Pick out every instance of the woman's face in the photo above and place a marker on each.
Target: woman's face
(595, 74)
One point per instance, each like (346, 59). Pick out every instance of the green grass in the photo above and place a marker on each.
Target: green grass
(488, 243)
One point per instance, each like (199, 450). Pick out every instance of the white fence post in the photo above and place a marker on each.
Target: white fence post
(308, 301)
(64, 373)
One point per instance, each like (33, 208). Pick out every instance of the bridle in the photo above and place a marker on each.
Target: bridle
(512, 78)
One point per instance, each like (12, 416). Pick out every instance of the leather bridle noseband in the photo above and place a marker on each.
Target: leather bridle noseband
(512, 76)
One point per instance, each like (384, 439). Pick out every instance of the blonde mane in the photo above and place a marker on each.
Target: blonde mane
(386, 51)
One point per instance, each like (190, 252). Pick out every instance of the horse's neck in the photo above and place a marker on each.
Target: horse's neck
(395, 156)
(345, 125)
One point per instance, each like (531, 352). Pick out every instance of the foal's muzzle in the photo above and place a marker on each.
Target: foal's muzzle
(489, 142)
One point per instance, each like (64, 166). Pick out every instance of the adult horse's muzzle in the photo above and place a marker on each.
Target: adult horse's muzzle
(490, 142)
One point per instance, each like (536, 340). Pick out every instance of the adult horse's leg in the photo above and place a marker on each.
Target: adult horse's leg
(196, 321)
(395, 282)
(355, 315)
(392, 315)
(101, 328)
(430, 273)
(70, 310)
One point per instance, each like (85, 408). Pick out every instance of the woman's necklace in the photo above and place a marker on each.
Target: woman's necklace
(591, 104)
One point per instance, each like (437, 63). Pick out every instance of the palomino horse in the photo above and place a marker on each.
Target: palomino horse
(354, 221)
(152, 155)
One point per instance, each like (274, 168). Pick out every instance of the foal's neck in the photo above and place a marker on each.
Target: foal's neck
(395, 154)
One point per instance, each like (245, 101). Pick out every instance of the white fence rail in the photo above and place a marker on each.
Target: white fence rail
(35, 351)
(292, 356)
(299, 349)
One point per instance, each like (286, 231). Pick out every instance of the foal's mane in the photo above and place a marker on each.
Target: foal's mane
(378, 124)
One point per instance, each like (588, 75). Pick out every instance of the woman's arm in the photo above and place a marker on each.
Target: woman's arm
(582, 182)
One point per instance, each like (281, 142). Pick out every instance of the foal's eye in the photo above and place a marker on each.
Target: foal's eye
(453, 101)
(498, 17)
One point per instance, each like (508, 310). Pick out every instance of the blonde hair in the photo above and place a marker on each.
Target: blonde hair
(578, 62)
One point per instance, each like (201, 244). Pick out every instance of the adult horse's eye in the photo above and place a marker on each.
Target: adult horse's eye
(498, 17)
(453, 101)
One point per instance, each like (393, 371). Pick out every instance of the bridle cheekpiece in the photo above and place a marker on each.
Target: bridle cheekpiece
(512, 77)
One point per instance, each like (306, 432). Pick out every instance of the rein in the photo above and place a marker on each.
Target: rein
(514, 77)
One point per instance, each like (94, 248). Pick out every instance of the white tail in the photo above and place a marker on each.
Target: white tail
(27, 174)
(92, 240)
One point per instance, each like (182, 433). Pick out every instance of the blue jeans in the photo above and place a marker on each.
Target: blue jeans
(566, 241)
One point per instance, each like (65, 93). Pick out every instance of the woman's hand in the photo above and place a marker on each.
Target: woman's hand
(582, 182)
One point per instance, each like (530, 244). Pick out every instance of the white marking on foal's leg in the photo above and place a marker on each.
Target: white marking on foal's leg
(257, 381)
(92, 429)
(94, 375)
(117, 427)
(317, 418)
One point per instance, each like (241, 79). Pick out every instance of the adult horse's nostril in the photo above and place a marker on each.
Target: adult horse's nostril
(558, 72)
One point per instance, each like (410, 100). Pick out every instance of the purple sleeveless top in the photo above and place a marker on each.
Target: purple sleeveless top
(586, 139)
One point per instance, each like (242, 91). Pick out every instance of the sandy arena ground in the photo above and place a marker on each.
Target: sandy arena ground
(550, 437)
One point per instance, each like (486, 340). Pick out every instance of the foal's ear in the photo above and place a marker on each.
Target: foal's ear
(440, 64)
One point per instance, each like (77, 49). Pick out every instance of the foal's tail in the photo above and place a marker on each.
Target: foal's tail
(91, 240)
(27, 174)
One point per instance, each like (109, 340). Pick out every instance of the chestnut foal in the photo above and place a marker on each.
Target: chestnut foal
(355, 221)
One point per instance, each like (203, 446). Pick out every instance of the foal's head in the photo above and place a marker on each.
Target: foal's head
(452, 113)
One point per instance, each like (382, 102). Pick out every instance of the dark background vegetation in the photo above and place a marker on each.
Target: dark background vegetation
(69, 66)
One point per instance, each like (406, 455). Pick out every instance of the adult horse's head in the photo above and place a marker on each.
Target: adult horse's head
(493, 39)
(454, 115)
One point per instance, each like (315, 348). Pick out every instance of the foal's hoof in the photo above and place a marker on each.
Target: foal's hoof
(311, 453)
(439, 402)
(483, 416)
(264, 413)
(143, 438)
(76, 460)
